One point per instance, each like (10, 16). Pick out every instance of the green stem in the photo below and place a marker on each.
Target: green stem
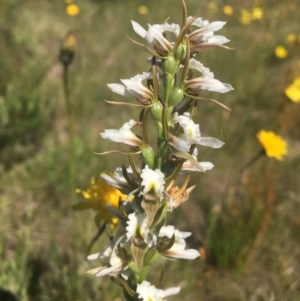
(253, 160)
(71, 131)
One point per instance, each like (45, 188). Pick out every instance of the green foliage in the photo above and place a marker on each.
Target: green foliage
(24, 110)
(231, 232)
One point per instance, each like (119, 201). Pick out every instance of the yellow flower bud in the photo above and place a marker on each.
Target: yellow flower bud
(68, 49)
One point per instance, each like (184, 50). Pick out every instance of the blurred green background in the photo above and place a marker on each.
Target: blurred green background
(246, 225)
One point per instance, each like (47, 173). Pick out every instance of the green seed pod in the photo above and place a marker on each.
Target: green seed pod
(156, 111)
(148, 156)
(176, 97)
(169, 65)
(181, 52)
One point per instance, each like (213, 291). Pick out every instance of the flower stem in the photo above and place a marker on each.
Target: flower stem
(71, 131)
(253, 160)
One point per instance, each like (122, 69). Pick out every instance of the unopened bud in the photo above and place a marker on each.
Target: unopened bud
(169, 65)
(180, 52)
(148, 156)
(176, 97)
(68, 49)
(156, 111)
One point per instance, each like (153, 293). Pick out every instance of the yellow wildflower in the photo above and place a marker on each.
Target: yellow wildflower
(143, 10)
(245, 17)
(97, 196)
(281, 52)
(291, 38)
(212, 7)
(72, 10)
(293, 90)
(228, 10)
(273, 145)
(257, 13)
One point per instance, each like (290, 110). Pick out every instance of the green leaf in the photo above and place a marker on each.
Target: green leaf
(82, 206)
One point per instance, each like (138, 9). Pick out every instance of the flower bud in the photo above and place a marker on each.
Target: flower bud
(176, 97)
(67, 50)
(169, 65)
(156, 111)
(180, 52)
(148, 156)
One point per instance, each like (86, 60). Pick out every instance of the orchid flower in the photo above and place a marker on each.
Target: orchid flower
(153, 181)
(206, 82)
(148, 292)
(191, 135)
(178, 248)
(134, 87)
(118, 180)
(123, 135)
(114, 265)
(154, 35)
(203, 38)
(189, 166)
(137, 226)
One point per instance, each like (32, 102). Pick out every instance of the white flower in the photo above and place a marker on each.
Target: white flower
(206, 82)
(123, 135)
(155, 37)
(118, 180)
(148, 292)
(113, 264)
(134, 87)
(178, 248)
(189, 166)
(203, 38)
(137, 225)
(153, 181)
(191, 135)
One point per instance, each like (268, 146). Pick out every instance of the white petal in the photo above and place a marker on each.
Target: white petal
(179, 144)
(153, 180)
(212, 142)
(218, 40)
(140, 30)
(171, 291)
(167, 231)
(117, 88)
(206, 165)
(174, 28)
(93, 256)
(146, 291)
(209, 84)
(155, 33)
(189, 166)
(123, 135)
(214, 26)
(137, 224)
(196, 65)
(112, 270)
(183, 254)
(198, 22)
